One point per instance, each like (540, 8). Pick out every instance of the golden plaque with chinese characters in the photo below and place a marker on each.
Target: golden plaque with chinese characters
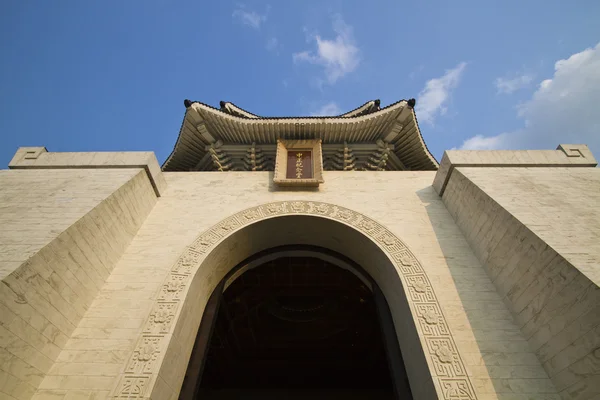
(298, 163)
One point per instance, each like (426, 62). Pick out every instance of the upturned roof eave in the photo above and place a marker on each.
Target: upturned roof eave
(202, 108)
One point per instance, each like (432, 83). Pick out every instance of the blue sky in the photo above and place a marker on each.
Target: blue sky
(112, 76)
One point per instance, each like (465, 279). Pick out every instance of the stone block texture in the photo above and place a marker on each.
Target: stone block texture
(39, 158)
(566, 155)
(496, 353)
(537, 233)
(63, 232)
(509, 252)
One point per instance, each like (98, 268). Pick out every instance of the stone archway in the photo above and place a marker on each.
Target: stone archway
(157, 366)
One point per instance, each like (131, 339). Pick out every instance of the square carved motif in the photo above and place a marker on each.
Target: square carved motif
(299, 163)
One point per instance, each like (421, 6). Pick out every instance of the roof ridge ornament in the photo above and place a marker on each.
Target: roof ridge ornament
(231, 109)
(368, 108)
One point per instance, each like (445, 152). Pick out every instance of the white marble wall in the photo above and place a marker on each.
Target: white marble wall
(109, 314)
(495, 353)
(537, 232)
(62, 232)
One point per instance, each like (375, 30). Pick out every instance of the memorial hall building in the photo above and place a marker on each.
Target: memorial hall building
(300, 258)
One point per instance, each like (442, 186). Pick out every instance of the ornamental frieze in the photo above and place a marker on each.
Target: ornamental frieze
(204, 242)
(145, 355)
(449, 369)
(161, 317)
(419, 289)
(444, 357)
(187, 262)
(457, 389)
(431, 320)
(407, 264)
(131, 387)
(173, 288)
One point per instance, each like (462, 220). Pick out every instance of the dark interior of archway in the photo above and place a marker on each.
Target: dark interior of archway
(296, 328)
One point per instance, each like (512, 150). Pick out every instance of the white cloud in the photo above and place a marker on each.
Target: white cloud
(564, 109)
(327, 110)
(249, 18)
(338, 56)
(509, 85)
(436, 93)
(480, 142)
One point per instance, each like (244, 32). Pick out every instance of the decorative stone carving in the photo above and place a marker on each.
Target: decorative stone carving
(444, 354)
(387, 239)
(392, 244)
(173, 288)
(430, 317)
(457, 389)
(131, 387)
(345, 215)
(570, 150)
(405, 260)
(322, 208)
(431, 320)
(251, 215)
(367, 225)
(229, 224)
(186, 262)
(298, 206)
(420, 289)
(145, 355)
(444, 357)
(407, 264)
(275, 208)
(204, 242)
(449, 368)
(32, 153)
(161, 318)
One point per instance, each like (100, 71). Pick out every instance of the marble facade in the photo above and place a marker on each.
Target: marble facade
(489, 265)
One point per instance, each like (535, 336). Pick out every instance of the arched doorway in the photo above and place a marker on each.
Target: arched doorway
(157, 366)
(296, 322)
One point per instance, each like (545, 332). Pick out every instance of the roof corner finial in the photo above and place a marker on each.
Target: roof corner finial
(222, 104)
(411, 103)
(187, 103)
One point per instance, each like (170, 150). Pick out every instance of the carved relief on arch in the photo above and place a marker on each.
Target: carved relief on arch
(448, 367)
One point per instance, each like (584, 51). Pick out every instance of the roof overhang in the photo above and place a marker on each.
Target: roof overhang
(395, 124)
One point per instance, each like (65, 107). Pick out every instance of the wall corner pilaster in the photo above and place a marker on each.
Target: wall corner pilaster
(40, 158)
(565, 155)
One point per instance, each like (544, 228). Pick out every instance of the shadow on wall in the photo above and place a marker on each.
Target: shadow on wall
(500, 346)
(273, 187)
